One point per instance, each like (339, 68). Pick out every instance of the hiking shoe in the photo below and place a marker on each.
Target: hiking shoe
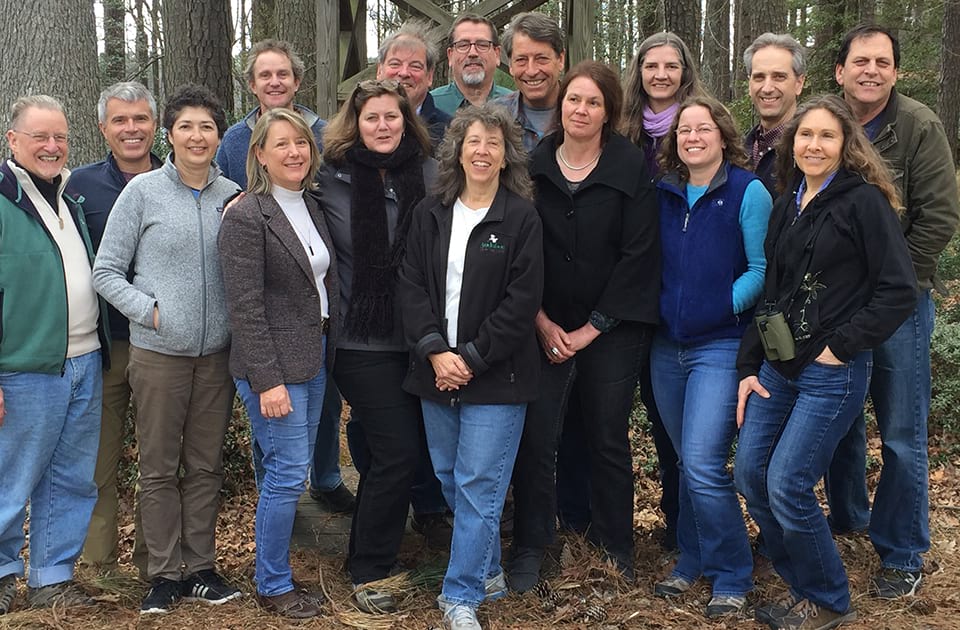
(721, 605)
(59, 594)
(461, 617)
(295, 604)
(524, 569)
(373, 600)
(768, 611)
(339, 500)
(805, 615)
(495, 587)
(8, 591)
(161, 597)
(208, 587)
(895, 583)
(672, 586)
(435, 527)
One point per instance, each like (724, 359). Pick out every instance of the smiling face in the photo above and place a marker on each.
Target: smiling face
(699, 142)
(274, 83)
(536, 68)
(407, 63)
(774, 87)
(39, 143)
(472, 68)
(868, 75)
(193, 138)
(285, 155)
(583, 112)
(381, 123)
(818, 146)
(662, 73)
(482, 154)
(129, 129)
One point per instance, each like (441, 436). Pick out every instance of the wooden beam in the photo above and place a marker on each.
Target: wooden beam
(579, 29)
(328, 59)
(427, 9)
(503, 18)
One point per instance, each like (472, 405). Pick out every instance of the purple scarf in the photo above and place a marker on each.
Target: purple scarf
(657, 125)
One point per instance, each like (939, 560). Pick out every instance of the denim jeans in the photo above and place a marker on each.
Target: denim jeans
(325, 467)
(696, 390)
(785, 447)
(605, 373)
(900, 390)
(473, 448)
(48, 453)
(287, 444)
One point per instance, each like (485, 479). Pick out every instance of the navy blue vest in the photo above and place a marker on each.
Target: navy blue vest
(702, 256)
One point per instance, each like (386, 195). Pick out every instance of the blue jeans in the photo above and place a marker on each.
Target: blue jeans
(325, 468)
(473, 448)
(48, 453)
(287, 445)
(696, 390)
(786, 444)
(900, 389)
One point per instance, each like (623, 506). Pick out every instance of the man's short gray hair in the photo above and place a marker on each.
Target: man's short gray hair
(128, 92)
(40, 101)
(536, 26)
(413, 32)
(778, 40)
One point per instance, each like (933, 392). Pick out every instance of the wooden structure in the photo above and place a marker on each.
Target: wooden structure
(342, 49)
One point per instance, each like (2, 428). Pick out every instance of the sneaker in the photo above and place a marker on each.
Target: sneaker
(495, 587)
(524, 569)
(672, 586)
(162, 596)
(721, 605)
(461, 617)
(208, 587)
(768, 611)
(805, 615)
(339, 500)
(8, 591)
(295, 604)
(435, 527)
(59, 594)
(894, 583)
(372, 600)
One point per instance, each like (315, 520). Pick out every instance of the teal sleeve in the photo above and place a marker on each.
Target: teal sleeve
(754, 216)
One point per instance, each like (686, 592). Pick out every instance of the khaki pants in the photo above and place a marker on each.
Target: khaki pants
(183, 408)
(100, 548)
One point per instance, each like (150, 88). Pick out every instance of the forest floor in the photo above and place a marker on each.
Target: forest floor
(582, 593)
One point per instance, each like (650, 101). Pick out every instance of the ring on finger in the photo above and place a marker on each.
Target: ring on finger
(555, 351)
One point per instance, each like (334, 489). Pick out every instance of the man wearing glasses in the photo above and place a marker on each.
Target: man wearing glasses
(50, 361)
(473, 52)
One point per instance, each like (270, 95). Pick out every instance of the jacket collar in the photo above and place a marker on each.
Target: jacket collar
(676, 184)
(170, 171)
(498, 209)
(278, 223)
(616, 169)
(308, 116)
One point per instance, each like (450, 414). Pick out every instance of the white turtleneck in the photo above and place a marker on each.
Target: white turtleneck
(294, 208)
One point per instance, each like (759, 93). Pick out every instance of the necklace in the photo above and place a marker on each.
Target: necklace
(308, 239)
(577, 168)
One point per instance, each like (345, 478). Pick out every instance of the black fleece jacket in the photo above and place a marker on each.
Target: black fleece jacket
(859, 285)
(499, 298)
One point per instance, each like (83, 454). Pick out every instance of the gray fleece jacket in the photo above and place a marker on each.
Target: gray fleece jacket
(168, 239)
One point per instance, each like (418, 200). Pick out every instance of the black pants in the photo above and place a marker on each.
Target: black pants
(392, 424)
(605, 373)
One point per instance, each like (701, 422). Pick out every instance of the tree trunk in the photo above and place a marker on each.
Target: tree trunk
(716, 49)
(765, 16)
(199, 34)
(156, 45)
(141, 44)
(948, 97)
(61, 62)
(114, 46)
(650, 16)
(683, 18)
(740, 43)
(264, 20)
(296, 23)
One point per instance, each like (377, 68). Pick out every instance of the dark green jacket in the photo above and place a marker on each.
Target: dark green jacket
(33, 291)
(912, 141)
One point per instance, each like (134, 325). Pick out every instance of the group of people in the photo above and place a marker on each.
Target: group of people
(485, 277)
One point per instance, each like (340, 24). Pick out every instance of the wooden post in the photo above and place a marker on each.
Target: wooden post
(579, 29)
(328, 66)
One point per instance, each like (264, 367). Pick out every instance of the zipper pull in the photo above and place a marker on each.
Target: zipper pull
(686, 220)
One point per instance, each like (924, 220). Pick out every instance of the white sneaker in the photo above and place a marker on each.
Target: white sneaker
(460, 617)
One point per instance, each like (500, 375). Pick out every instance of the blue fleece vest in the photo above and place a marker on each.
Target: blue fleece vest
(702, 257)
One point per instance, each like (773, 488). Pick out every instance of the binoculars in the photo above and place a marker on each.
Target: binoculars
(776, 336)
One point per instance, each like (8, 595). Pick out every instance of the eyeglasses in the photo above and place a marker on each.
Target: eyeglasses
(702, 130)
(44, 138)
(463, 46)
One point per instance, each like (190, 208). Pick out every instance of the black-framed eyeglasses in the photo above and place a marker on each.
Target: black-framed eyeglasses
(463, 46)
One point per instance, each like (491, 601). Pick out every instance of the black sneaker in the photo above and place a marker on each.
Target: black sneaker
(208, 587)
(768, 611)
(805, 615)
(339, 500)
(162, 596)
(8, 591)
(894, 584)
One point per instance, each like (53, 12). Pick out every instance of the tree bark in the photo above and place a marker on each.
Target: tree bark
(948, 97)
(61, 62)
(264, 20)
(114, 45)
(716, 49)
(765, 16)
(683, 18)
(296, 23)
(199, 34)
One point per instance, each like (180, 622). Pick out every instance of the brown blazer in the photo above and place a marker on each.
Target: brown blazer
(272, 299)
